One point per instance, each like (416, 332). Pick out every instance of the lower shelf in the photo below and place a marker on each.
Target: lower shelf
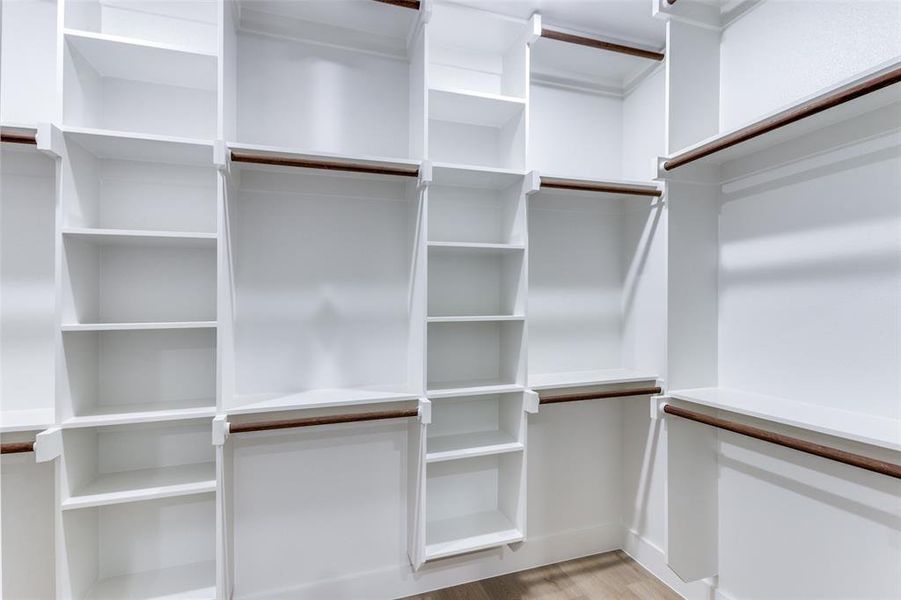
(447, 389)
(321, 398)
(572, 379)
(194, 582)
(145, 484)
(466, 445)
(144, 413)
(26, 420)
(469, 533)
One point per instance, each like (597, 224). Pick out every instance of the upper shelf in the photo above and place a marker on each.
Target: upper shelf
(839, 103)
(104, 143)
(474, 108)
(378, 26)
(575, 379)
(318, 398)
(127, 58)
(869, 429)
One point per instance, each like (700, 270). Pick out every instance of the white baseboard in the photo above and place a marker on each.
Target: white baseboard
(397, 581)
(652, 558)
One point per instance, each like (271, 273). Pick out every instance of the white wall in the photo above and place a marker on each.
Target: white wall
(783, 50)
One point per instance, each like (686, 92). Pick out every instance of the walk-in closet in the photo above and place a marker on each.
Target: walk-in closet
(431, 299)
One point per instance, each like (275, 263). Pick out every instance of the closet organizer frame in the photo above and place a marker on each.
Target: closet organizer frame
(137, 140)
(830, 124)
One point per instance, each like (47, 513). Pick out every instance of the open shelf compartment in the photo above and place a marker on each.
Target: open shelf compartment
(130, 376)
(321, 272)
(471, 426)
(474, 504)
(113, 550)
(131, 463)
(469, 356)
(475, 280)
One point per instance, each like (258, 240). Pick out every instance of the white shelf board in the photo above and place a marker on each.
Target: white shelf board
(843, 112)
(469, 445)
(574, 379)
(878, 431)
(470, 176)
(473, 108)
(320, 398)
(469, 533)
(26, 420)
(195, 581)
(476, 318)
(474, 247)
(129, 58)
(137, 237)
(138, 326)
(107, 143)
(145, 484)
(144, 413)
(450, 389)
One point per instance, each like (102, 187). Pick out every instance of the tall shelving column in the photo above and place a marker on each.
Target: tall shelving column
(137, 241)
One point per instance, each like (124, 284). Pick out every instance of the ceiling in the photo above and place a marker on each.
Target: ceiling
(625, 20)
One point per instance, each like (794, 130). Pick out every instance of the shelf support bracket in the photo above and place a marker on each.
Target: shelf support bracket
(531, 401)
(220, 430)
(48, 445)
(425, 174)
(425, 411)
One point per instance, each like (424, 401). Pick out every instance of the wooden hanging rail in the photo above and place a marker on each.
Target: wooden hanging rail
(16, 447)
(599, 186)
(285, 160)
(650, 391)
(848, 458)
(325, 420)
(411, 4)
(15, 135)
(786, 117)
(570, 38)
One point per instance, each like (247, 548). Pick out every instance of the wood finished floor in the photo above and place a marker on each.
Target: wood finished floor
(611, 575)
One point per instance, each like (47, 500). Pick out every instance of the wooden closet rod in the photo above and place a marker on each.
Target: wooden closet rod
(305, 163)
(802, 111)
(651, 391)
(593, 186)
(411, 4)
(16, 447)
(17, 136)
(848, 458)
(326, 420)
(569, 38)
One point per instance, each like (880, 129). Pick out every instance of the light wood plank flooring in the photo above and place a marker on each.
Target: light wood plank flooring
(612, 575)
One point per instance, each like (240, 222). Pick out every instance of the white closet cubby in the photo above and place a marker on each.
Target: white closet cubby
(27, 275)
(477, 87)
(465, 357)
(594, 114)
(322, 269)
(324, 77)
(469, 426)
(474, 503)
(586, 317)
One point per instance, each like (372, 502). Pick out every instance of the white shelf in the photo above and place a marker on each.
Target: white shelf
(322, 398)
(142, 238)
(474, 108)
(476, 318)
(128, 58)
(468, 445)
(478, 531)
(145, 484)
(475, 247)
(144, 413)
(869, 429)
(195, 581)
(449, 174)
(26, 420)
(138, 326)
(842, 112)
(574, 379)
(106, 143)
(450, 389)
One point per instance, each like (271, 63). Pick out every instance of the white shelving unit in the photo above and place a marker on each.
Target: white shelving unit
(259, 210)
